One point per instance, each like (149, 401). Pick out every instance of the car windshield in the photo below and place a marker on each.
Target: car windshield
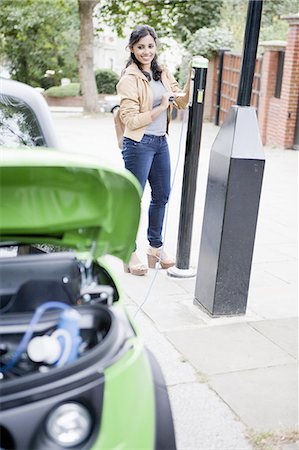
(18, 124)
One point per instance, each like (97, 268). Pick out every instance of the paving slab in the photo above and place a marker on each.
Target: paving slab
(290, 250)
(270, 236)
(291, 446)
(285, 270)
(178, 315)
(282, 332)
(175, 370)
(188, 284)
(228, 348)
(206, 423)
(272, 253)
(262, 278)
(265, 399)
(273, 302)
(154, 286)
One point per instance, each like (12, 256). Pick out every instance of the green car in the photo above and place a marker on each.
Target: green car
(74, 371)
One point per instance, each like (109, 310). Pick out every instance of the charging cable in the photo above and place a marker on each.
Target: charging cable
(166, 213)
(30, 330)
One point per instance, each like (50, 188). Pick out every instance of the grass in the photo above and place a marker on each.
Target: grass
(273, 440)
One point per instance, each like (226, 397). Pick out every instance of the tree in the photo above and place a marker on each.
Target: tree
(197, 15)
(39, 35)
(85, 56)
(272, 27)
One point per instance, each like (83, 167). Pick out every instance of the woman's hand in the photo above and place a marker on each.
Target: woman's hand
(163, 105)
(165, 99)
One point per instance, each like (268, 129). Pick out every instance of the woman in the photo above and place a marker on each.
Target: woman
(145, 91)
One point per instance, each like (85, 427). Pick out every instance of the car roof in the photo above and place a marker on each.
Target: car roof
(36, 102)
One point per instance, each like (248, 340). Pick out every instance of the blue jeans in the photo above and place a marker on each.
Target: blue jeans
(149, 160)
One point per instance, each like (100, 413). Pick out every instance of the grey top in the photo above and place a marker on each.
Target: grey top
(158, 126)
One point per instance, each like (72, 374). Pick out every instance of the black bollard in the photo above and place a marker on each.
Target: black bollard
(232, 198)
(219, 85)
(195, 119)
(230, 215)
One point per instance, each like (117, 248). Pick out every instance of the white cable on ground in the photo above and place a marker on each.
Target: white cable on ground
(166, 215)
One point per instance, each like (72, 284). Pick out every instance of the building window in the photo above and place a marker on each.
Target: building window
(279, 74)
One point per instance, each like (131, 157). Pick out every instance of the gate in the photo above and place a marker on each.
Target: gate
(227, 92)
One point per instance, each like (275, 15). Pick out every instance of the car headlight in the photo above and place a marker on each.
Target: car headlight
(69, 424)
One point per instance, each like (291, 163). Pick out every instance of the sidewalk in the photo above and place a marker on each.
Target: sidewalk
(228, 378)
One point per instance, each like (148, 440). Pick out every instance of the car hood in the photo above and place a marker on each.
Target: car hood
(48, 196)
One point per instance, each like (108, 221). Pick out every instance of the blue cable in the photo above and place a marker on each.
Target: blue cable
(27, 336)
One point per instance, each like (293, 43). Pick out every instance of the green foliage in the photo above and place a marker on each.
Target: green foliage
(272, 27)
(176, 18)
(183, 69)
(39, 35)
(177, 74)
(68, 90)
(272, 10)
(128, 13)
(277, 30)
(235, 22)
(106, 81)
(196, 15)
(207, 41)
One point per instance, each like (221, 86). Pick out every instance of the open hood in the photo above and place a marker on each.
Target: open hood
(48, 196)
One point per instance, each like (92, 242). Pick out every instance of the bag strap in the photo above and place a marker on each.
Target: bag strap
(119, 128)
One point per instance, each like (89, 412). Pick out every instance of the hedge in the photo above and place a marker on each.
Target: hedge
(67, 90)
(106, 81)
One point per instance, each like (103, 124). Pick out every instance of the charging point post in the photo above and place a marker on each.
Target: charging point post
(193, 140)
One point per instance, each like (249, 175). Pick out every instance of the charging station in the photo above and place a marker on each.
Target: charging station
(193, 140)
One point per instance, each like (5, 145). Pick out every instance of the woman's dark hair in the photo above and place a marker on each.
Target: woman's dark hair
(140, 32)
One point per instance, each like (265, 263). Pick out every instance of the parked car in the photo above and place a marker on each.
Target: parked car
(110, 103)
(24, 117)
(74, 373)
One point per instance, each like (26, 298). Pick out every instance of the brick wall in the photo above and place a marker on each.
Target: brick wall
(211, 77)
(267, 118)
(273, 128)
(65, 101)
(290, 86)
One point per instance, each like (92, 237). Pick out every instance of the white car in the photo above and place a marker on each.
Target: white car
(110, 103)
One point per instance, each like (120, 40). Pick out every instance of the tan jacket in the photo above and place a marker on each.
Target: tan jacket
(136, 100)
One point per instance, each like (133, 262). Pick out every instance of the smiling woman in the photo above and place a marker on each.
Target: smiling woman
(147, 92)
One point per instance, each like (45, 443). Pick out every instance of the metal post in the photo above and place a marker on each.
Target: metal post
(219, 84)
(253, 22)
(233, 195)
(195, 119)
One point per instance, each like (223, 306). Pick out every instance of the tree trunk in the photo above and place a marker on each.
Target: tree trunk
(85, 56)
